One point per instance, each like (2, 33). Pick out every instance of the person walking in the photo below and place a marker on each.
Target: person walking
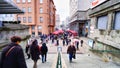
(71, 51)
(34, 51)
(77, 45)
(63, 42)
(57, 42)
(27, 50)
(81, 43)
(44, 50)
(12, 55)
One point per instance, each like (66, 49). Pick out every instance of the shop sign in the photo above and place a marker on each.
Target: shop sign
(96, 2)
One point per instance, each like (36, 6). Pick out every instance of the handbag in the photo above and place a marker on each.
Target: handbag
(73, 56)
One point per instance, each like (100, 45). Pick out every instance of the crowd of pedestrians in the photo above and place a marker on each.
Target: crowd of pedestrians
(13, 56)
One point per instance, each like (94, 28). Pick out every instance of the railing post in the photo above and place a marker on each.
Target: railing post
(59, 62)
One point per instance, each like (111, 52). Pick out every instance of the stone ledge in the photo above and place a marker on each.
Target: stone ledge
(110, 43)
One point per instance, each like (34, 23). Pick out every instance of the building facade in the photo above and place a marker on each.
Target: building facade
(78, 16)
(105, 29)
(57, 25)
(39, 15)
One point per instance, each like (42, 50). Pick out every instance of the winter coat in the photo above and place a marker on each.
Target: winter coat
(71, 50)
(34, 51)
(44, 48)
(14, 59)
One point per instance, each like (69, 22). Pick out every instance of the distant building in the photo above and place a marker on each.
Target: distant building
(78, 16)
(57, 25)
(39, 15)
(67, 21)
(7, 17)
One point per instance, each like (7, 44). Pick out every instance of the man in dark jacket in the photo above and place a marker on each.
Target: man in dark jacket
(71, 51)
(12, 55)
(44, 51)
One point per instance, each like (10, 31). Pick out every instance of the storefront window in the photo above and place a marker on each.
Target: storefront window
(117, 21)
(102, 22)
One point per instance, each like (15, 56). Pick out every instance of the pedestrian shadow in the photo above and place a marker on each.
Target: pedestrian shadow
(73, 62)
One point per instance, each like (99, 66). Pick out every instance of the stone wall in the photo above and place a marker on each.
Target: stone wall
(6, 34)
(106, 39)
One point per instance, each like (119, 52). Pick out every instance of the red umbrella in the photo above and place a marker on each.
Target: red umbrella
(58, 32)
(73, 32)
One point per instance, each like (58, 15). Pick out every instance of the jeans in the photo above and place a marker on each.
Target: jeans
(44, 57)
(70, 57)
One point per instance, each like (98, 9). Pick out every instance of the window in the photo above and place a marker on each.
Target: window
(18, 1)
(41, 1)
(29, 1)
(11, 15)
(19, 19)
(33, 27)
(47, 10)
(23, 1)
(117, 21)
(6, 15)
(33, 33)
(39, 33)
(41, 10)
(29, 9)
(41, 19)
(102, 22)
(29, 19)
(24, 9)
(24, 19)
(39, 27)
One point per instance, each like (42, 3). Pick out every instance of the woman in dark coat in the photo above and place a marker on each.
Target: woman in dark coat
(34, 51)
(12, 55)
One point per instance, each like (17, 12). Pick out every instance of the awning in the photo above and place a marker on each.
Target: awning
(7, 7)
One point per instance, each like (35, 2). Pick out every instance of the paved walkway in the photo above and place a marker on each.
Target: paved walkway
(48, 64)
(83, 60)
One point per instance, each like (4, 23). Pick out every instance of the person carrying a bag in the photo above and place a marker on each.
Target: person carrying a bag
(71, 51)
(12, 55)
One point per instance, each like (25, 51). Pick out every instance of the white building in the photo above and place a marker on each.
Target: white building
(57, 21)
(7, 17)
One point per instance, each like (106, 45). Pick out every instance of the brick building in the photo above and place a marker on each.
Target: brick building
(39, 15)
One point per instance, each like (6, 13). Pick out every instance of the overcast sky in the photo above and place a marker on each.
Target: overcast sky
(62, 7)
